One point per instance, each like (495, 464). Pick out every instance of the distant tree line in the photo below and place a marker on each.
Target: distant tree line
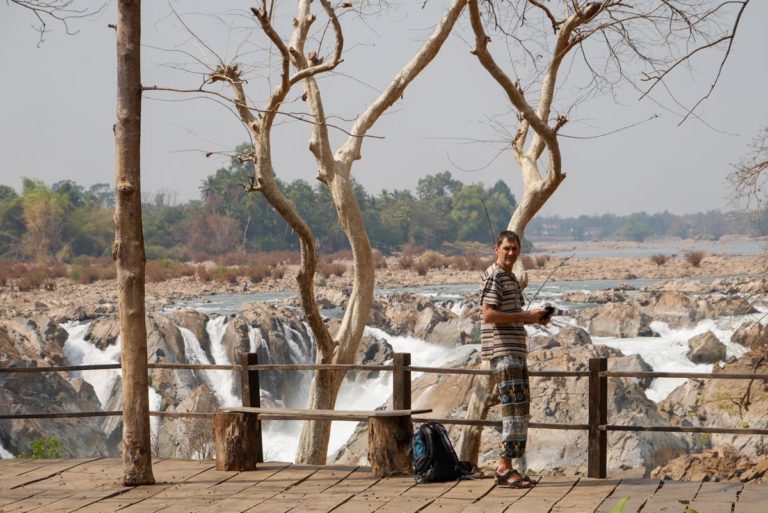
(711, 225)
(67, 220)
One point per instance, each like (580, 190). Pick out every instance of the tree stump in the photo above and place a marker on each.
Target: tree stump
(238, 440)
(389, 440)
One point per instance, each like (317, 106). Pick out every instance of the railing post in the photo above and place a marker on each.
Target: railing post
(598, 415)
(401, 382)
(251, 392)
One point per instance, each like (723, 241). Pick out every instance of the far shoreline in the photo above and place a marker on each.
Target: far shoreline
(102, 295)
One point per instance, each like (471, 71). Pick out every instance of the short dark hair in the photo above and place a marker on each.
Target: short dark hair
(507, 235)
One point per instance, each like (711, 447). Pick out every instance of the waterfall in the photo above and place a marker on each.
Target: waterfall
(81, 352)
(220, 381)
(155, 400)
(4, 454)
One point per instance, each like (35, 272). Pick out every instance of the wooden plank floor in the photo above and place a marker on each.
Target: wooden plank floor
(95, 486)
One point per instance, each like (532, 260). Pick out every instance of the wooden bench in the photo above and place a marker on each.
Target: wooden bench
(237, 435)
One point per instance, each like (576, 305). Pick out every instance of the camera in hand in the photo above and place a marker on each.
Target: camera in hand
(550, 311)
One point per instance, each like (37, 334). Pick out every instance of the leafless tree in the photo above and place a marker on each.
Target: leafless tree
(610, 42)
(748, 178)
(62, 12)
(297, 65)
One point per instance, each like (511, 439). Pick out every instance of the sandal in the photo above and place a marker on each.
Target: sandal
(520, 483)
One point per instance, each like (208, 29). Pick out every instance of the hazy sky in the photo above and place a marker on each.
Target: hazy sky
(57, 110)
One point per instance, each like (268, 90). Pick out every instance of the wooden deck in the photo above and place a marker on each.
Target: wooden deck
(94, 485)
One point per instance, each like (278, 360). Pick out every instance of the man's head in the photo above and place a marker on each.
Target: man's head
(507, 249)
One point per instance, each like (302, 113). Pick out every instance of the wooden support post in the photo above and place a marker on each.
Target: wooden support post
(389, 440)
(237, 439)
(251, 393)
(401, 382)
(598, 416)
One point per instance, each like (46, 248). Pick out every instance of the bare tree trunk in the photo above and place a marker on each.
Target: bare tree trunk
(335, 170)
(128, 250)
(481, 401)
(313, 444)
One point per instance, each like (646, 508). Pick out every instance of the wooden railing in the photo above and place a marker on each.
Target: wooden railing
(597, 425)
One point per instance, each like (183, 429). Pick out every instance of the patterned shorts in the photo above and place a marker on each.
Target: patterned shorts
(511, 373)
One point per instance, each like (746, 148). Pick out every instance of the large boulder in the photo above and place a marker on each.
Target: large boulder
(753, 335)
(725, 403)
(37, 339)
(103, 332)
(373, 350)
(598, 297)
(674, 308)
(164, 340)
(188, 438)
(51, 393)
(721, 463)
(195, 322)
(714, 306)
(631, 363)
(236, 339)
(615, 320)
(705, 348)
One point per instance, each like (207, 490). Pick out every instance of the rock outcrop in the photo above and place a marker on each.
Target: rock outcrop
(753, 335)
(615, 320)
(706, 348)
(443, 323)
(726, 403)
(721, 463)
(554, 400)
(37, 342)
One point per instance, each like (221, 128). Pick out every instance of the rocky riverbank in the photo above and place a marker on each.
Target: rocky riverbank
(66, 300)
(31, 335)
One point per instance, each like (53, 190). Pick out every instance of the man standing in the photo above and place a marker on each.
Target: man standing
(503, 342)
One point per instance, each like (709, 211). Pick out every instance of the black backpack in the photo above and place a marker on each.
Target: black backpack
(433, 457)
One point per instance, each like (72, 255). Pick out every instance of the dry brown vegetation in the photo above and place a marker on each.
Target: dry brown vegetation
(659, 259)
(694, 257)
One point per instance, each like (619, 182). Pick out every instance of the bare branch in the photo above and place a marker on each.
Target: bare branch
(304, 117)
(60, 11)
(318, 66)
(748, 179)
(511, 89)
(351, 149)
(555, 23)
(727, 53)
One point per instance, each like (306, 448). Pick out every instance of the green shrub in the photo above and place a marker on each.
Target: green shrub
(46, 447)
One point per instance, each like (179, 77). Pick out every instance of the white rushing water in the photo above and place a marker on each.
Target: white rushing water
(221, 381)
(4, 454)
(81, 352)
(667, 353)
(155, 401)
(372, 394)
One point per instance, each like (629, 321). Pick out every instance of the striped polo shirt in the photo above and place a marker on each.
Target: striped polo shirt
(502, 291)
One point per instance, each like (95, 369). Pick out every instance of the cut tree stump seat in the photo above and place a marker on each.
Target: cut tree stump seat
(237, 435)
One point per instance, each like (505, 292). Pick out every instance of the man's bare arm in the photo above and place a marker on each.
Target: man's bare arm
(493, 316)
